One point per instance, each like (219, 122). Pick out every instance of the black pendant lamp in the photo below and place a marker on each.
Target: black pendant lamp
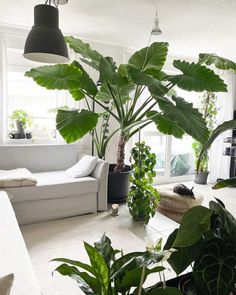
(45, 42)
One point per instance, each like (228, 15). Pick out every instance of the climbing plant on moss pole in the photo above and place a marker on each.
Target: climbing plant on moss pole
(118, 91)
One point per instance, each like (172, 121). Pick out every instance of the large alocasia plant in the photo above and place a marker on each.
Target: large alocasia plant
(119, 89)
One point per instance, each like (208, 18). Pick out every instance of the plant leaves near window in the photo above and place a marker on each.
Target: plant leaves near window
(165, 125)
(100, 268)
(74, 124)
(77, 94)
(93, 57)
(163, 291)
(86, 83)
(152, 57)
(214, 269)
(227, 125)
(195, 222)
(197, 78)
(185, 116)
(61, 76)
(218, 61)
(225, 183)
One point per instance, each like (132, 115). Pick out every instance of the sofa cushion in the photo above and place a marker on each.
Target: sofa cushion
(52, 185)
(84, 167)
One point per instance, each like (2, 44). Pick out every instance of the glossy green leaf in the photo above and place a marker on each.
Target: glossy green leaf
(152, 57)
(225, 183)
(86, 83)
(100, 268)
(185, 116)
(77, 94)
(184, 256)
(163, 291)
(61, 76)
(165, 125)
(103, 246)
(84, 50)
(195, 222)
(214, 269)
(140, 78)
(218, 61)
(197, 78)
(86, 283)
(227, 125)
(75, 263)
(74, 124)
(108, 72)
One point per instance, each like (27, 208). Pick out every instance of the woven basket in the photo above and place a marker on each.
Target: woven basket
(174, 205)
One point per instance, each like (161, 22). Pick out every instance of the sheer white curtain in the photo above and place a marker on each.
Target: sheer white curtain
(219, 164)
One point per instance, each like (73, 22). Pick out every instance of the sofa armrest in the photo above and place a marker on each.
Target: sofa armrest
(101, 174)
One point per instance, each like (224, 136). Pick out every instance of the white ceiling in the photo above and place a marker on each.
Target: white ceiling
(190, 26)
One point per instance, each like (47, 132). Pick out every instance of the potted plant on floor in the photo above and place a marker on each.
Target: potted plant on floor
(209, 110)
(142, 197)
(205, 240)
(118, 92)
(21, 120)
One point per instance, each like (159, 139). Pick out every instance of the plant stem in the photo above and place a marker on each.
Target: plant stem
(120, 164)
(141, 281)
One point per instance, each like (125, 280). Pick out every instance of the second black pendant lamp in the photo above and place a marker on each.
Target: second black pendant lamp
(45, 42)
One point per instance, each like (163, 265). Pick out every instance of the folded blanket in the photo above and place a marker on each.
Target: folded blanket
(17, 177)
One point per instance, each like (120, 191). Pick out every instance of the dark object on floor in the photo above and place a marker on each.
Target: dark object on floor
(201, 177)
(183, 190)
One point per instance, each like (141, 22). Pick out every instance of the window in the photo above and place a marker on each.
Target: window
(22, 93)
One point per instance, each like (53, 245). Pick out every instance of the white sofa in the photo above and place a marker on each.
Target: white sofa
(56, 195)
(14, 256)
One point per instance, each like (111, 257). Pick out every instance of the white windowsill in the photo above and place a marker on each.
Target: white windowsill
(33, 142)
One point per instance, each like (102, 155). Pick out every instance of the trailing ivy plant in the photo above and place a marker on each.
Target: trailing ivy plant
(209, 110)
(119, 89)
(143, 197)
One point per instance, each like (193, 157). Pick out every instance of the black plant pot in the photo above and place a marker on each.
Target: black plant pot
(201, 177)
(118, 184)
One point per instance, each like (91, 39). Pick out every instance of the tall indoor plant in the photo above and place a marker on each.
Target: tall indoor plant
(209, 110)
(118, 92)
(143, 198)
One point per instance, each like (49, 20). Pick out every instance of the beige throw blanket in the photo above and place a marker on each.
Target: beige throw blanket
(17, 177)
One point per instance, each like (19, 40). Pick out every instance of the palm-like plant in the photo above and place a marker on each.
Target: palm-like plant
(119, 89)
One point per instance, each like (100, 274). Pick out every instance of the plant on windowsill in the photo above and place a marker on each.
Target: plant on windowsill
(204, 241)
(20, 119)
(118, 92)
(209, 110)
(142, 197)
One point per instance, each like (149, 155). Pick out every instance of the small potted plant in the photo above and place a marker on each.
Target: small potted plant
(21, 120)
(143, 197)
(209, 110)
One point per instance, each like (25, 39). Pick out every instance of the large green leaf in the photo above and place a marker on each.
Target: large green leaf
(225, 183)
(103, 246)
(214, 269)
(185, 116)
(162, 291)
(88, 284)
(74, 124)
(165, 125)
(197, 78)
(218, 61)
(84, 50)
(184, 256)
(227, 125)
(75, 263)
(61, 76)
(152, 57)
(109, 74)
(195, 222)
(140, 78)
(86, 83)
(100, 268)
